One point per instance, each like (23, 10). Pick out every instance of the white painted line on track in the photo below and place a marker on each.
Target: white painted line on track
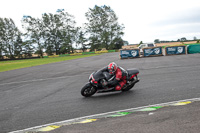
(174, 66)
(103, 114)
(32, 80)
(36, 80)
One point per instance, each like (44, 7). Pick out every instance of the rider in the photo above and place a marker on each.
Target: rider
(119, 73)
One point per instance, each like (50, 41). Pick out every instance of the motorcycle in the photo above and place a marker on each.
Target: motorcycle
(98, 78)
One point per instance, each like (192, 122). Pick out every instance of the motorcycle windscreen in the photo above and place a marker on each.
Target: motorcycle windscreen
(98, 75)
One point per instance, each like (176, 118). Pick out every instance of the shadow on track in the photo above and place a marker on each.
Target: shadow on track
(111, 95)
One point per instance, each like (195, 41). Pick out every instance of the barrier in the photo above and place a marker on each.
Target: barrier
(175, 50)
(63, 55)
(75, 54)
(52, 56)
(192, 49)
(88, 53)
(83, 53)
(152, 51)
(129, 53)
(19, 58)
(99, 52)
(111, 51)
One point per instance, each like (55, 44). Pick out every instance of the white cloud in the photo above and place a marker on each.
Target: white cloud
(144, 20)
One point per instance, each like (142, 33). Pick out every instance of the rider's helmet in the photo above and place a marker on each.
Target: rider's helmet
(112, 67)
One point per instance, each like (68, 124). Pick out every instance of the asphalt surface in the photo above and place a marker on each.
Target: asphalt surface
(172, 119)
(49, 93)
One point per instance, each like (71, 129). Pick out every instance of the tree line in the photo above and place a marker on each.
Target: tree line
(183, 39)
(55, 33)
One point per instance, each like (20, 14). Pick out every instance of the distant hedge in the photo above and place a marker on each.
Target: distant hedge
(19, 58)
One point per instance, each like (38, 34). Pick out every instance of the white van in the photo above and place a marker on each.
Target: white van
(145, 45)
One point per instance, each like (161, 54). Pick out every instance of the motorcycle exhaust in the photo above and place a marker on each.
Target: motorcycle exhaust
(135, 81)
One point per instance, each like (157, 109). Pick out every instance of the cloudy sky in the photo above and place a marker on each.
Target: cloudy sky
(144, 20)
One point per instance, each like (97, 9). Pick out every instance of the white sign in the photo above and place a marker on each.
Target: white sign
(180, 49)
(134, 53)
(157, 50)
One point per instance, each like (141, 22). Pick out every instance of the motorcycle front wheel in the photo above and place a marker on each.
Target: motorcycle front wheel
(88, 90)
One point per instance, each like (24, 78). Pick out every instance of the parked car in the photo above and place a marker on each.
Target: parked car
(145, 45)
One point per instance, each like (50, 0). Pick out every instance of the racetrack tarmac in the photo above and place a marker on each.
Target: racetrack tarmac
(167, 119)
(177, 116)
(49, 93)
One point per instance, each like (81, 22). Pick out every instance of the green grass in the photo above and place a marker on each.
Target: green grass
(17, 64)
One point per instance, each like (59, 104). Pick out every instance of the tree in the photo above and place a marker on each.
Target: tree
(59, 32)
(81, 39)
(28, 48)
(18, 46)
(141, 42)
(1, 50)
(126, 43)
(2, 29)
(183, 39)
(34, 32)
(156, 41)
(9, 37)
(118, 43)
(103, 27)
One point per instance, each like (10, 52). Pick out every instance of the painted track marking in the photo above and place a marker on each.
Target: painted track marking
(91, 118)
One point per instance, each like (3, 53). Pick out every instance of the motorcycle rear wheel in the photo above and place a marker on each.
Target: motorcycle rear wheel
(128, 87)
(88, 90)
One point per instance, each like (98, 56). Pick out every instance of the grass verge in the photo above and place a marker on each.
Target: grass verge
(17, 64)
